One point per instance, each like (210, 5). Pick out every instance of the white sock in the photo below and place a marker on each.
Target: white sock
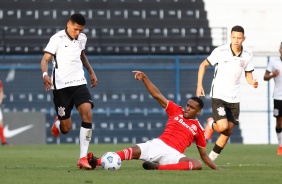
(279, 136)
(84, 138)
(57, 124)
(213, 155)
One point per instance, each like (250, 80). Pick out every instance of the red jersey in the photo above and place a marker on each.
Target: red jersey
(180, 132)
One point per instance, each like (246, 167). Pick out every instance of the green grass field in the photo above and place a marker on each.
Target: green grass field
(53, 164)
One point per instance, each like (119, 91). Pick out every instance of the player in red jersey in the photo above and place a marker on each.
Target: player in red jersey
(2, 136)
(167, 151)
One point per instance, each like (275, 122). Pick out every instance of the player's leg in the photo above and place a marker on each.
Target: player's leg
(3, 139)
(220, 143)
(277, 113)
(184, 163)
(125, 154)
(85, 134)
(63, 106)
(218, 122)
(232, 114)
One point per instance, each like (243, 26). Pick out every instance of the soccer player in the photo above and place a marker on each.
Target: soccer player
(2, 136)
(167, 151)
(68, 82)
(273, 71)
(230, 61)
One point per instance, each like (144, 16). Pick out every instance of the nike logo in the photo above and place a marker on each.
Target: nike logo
(11, 133)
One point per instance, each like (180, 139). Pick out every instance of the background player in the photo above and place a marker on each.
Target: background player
(166, 151)
(2, 135)
(230, 61)
(273, 71)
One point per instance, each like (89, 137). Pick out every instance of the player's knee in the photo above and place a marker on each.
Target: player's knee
(197, 165)
(65, 128)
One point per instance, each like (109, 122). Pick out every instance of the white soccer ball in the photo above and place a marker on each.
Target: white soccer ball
(111, 161)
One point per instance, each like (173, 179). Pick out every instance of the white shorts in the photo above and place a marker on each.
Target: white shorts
(157, 151)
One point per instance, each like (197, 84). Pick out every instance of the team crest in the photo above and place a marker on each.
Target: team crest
(221, 111)
(242, 63)
(194, 127)
(61, 111)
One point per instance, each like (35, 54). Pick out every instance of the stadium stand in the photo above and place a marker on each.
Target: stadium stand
(113, 26)
(122, 114)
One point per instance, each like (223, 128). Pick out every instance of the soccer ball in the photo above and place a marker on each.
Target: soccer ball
(111, 161)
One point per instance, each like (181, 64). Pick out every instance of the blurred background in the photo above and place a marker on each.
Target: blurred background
(167, 39)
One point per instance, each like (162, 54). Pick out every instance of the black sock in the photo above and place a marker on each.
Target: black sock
(217, 149)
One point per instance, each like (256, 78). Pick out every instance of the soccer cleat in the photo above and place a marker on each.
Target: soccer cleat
(92, 160)
(150, 165)
(208, 129)
(279, 151)
(6, 144)
(55, 131)
(83, 163)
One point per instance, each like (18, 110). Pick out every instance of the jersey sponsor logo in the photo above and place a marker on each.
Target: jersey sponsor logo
(11, 133)
(61, 111)
(181, 121)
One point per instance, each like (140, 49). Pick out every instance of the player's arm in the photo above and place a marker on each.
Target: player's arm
(89, 68)
(44, 68)
(250, 79)
(206, 159)
(268, 75)
(201, 72)
(153, 90)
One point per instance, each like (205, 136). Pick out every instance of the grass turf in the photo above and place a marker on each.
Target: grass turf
(57, 164)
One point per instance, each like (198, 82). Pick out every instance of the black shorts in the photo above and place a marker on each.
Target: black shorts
(64, 99)
(277, 112)
(225, 110)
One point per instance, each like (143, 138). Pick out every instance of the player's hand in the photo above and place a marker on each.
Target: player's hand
(47, 82)
(94, 80)
(275, 73)
(138, 75)
(255, 83)
(200, 91)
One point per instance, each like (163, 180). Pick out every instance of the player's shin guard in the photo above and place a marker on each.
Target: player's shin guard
(85, 138)
(178, 166)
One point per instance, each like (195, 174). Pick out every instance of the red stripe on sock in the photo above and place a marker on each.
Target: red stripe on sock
(125, 154)
(178, 166)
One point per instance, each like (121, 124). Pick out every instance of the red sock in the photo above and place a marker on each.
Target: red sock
(3, 139)
(178, 166)
(125, 154)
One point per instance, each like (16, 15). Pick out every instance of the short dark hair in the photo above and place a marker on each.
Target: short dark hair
(238, 29)
(78, 18)
(200, 101)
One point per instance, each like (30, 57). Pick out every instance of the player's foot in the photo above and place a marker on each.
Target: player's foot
(208, 129)
(150, 165)
(83, 163)
(92, 160)
(6, 144)
(279, 151)
(55, 131)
